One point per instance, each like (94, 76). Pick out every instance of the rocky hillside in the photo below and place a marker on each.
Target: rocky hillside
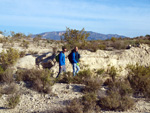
(95, 60)
(40, 55)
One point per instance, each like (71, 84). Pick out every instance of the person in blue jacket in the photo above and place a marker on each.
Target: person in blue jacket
(62, 66)
(75, 60)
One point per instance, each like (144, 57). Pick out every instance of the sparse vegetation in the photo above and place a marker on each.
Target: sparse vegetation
(9, 57)
(112, 71)
(92, 85)
(9, 89)
(100, 71)
(114, 101)
(39, 80)
(86, 104)
(75, 37)
(6, 76)
(22, 54)
(25, 44)
(118, 96)
(139, 78)
(13, 101)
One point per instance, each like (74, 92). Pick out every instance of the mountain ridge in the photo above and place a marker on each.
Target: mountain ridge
(56, 35)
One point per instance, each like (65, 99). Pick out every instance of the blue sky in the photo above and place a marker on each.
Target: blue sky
(124, 17)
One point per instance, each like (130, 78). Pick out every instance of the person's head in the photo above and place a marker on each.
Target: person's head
(76, 49)
(64, 49)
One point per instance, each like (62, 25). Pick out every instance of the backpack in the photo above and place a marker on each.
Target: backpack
(70, 57)
(57, 58)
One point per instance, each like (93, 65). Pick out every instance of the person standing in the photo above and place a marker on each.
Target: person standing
(75, 60)
(62, 67)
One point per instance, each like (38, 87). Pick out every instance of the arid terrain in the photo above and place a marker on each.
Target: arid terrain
(40, 55)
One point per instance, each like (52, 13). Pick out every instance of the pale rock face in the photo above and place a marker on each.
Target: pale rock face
(27, 62)
(96, 60)
(1, 36)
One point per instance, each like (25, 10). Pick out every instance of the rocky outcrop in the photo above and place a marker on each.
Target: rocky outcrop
(93, 60)
(27, 62)
(117, 58)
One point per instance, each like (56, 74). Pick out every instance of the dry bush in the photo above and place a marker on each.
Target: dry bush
(10, 89)
(89, 101)
(75, 106)
(112, 71)
(118, 96)
(1, 91)
(6, 76)
(57, 110)
(139, 78)
(22, 54)
(86, 104)
(25, 44)
(32, 52)
(41, 80)
(122, 87)
(78, 79)
(1, 72)
(108, 82)
(114, 101)
(92, 85)
(9, 57)
(65, 78)
(13, 101)
(120, 45)
(82, 76)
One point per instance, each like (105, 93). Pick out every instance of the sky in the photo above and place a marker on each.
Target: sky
(130, 18)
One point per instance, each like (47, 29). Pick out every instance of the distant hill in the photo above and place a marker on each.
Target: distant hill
(93, 35)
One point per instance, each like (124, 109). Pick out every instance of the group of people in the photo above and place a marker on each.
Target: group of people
(74, 58)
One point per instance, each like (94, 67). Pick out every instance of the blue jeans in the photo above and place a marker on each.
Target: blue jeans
(76, 68)
(61, 69)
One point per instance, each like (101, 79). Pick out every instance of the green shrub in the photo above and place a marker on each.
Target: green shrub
(13, 101)
(40, 80)
(100, 71)
(74, 37)
(139, 78)
(9, 57)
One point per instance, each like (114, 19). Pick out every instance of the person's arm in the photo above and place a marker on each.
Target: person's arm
(74, 58)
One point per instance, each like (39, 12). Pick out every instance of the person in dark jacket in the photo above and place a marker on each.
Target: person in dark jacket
(75, 60)
(62, 66)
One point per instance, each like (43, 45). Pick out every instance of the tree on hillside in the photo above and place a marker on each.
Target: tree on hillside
(75, 37)
(37, 38)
